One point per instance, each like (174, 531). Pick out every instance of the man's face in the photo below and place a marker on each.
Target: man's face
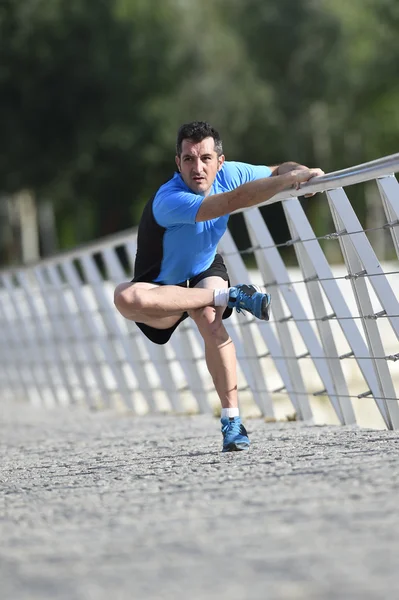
(198, 165)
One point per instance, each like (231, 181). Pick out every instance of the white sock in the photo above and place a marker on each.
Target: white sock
(221, 297)
(230, 413)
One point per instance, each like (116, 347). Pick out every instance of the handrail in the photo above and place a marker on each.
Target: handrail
(111, 240)
(386, 165)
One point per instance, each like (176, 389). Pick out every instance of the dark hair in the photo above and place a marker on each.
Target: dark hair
(196, 132)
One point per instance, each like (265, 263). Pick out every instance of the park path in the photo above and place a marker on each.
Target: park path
(107, 506)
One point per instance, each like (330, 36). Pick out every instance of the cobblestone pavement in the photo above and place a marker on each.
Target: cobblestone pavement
(109, 506)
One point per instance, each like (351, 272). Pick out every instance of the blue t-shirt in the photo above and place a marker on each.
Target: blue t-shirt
(188, 247)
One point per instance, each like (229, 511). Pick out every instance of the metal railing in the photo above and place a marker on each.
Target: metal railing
(331, 344)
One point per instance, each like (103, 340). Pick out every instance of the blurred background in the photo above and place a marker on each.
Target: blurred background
(93, 91)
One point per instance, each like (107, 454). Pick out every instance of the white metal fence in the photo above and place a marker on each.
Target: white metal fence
(329, 352)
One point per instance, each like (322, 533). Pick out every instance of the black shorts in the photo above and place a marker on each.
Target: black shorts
(162, 336)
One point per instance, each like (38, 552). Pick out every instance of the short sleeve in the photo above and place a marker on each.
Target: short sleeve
(176, 207)
(236, 173)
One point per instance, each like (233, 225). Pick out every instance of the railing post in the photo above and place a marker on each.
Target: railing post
(389, 190)
(361, 260)
(273, 269)
(301, 231)
(73, 335)
(19, 348)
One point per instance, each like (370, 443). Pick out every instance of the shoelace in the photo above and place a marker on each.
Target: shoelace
(233, 426)
(241, 296)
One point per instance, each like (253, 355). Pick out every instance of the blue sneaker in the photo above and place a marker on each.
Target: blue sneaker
(235, 435)
(248, 297)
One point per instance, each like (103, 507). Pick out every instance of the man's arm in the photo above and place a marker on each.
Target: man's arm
(253, 193)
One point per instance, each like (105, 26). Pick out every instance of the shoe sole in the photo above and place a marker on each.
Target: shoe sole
(235, 447)
(267, 300)
(266, 307)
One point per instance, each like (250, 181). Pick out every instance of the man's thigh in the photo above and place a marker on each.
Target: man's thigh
(156, 322)
(212, 283)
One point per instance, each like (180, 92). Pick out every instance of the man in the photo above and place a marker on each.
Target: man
(178, 272)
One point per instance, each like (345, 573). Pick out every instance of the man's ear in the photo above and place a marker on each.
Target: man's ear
(177, 159)
(221, 160)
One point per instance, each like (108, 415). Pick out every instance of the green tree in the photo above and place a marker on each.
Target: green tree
(93, 92)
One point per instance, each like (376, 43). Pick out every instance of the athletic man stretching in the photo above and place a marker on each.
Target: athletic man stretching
(178, 272)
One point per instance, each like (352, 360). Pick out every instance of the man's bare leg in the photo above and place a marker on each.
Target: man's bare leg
(222, 365)
(159, 305)
(220, 352)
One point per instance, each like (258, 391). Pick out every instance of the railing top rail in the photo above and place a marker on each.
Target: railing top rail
(388, 165)
(109, 241)
(368, 171)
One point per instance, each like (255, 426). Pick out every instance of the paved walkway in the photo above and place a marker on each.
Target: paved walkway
(112, 507)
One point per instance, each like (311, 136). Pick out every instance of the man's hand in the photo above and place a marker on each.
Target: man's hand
(302, 174)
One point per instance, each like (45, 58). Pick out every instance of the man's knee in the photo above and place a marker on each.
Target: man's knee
(209, 325)
(128, 298)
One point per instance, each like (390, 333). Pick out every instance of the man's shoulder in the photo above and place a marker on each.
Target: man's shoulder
(234, 165)
(170, 186)
(174, 203)
(235, 173)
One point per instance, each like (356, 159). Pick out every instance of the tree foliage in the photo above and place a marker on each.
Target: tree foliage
(92, 93)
